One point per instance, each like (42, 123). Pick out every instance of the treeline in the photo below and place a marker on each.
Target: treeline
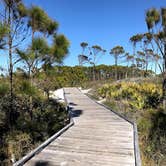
(62, 76)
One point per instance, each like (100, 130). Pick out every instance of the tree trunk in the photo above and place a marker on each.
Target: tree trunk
(30, 97)
(116, 67)
(11, 119)
(11, 82)
(146, 67)
(94, 72)
(156, 68)
(164, 80)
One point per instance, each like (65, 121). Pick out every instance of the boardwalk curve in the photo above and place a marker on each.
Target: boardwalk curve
(98, 137)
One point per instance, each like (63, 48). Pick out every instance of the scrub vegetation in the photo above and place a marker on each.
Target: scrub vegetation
(34, 51)
(27, 115)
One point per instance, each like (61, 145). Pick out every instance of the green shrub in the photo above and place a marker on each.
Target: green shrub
(139, 95)
(18, 144)
(4, 89)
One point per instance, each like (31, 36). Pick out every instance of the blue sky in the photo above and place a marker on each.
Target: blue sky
(103, 22)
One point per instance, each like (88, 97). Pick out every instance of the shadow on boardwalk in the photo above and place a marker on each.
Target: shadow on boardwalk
(42, 163)
(75, 113)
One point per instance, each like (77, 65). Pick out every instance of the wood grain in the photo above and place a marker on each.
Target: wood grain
(99, 137)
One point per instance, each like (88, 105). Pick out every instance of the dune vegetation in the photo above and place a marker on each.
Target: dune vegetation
(34, 52)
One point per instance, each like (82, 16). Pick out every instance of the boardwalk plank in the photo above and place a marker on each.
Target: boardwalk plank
(99, 137)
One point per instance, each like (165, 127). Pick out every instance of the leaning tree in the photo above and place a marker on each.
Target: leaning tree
(92, 56)
(96, 52)
(134, 40)
(83, 58)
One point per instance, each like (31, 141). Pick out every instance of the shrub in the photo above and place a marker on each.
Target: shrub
(4, 88)
(139, 95)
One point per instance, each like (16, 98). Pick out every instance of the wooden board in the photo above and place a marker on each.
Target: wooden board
(99, 137)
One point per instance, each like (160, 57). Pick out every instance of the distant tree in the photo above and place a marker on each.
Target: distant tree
(84, 46)
(82, 58)
(134, 40)
(116, 52)
(156, 58)
(92, 56)
(95, 53)
(129, 58)
(148, 56)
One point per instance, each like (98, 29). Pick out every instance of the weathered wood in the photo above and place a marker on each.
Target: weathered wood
(98, 137)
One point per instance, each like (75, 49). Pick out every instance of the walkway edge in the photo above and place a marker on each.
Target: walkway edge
(135, 131)
(23, 160)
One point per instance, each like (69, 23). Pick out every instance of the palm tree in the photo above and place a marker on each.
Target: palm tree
(116, 52)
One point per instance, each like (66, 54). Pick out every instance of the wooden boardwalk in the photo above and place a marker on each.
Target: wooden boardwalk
(98, 137)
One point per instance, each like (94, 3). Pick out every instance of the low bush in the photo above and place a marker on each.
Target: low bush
(139, 95)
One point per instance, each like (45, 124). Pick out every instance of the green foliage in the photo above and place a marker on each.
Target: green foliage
(118, 50)
(152, 17)
(3, 30)
(59, 48)
(81, 76)
(4, 89)
(39, 46)
(48, 117)
(136, 38)
(153, 135)
(139, 95)
(23, 11)
(27, 117)
(19, 144)
(84, 45)
(27, 89)
(37, 18)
